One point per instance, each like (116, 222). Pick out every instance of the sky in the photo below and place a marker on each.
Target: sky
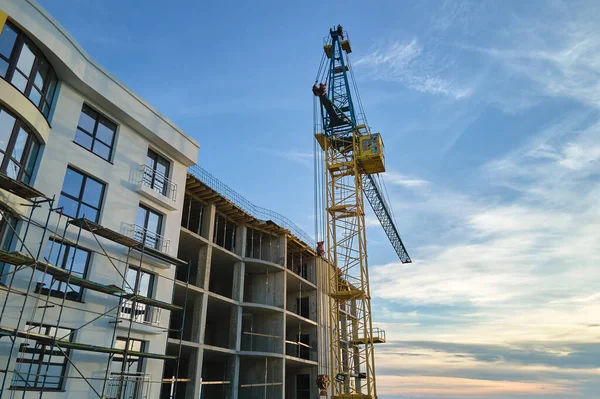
(490, 114)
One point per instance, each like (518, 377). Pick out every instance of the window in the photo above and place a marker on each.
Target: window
(95, 133)
(134, 363)
(67, 257)
(143, 281)
(148, 227)
(127, 381)
(38, 367)
(18, 148)
(156, 173)
(24, 65)
(81, 195)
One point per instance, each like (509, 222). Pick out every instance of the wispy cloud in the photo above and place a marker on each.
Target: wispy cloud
(402, 180)
(555, 56)
(521, 264)
(303, 158)
(409, 63)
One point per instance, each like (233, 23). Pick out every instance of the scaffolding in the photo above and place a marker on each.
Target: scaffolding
(32, 325)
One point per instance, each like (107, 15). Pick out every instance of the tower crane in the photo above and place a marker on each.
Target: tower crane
(348, 164)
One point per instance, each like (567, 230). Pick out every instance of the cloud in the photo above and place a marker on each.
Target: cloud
(411, 64)
(568, 355)
(555, 55)
(404, 181)
(303, 158)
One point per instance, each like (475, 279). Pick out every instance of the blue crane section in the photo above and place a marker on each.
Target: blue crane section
(382, 211)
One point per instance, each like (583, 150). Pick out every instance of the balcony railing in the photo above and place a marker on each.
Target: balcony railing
(149, 238)
(128, 386)
(142, 313)
(158, 182)
(247, 206)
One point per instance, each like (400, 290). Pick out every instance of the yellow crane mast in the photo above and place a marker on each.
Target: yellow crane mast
(349, 159)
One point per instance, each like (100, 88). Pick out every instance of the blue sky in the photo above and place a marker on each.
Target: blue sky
(490, 112)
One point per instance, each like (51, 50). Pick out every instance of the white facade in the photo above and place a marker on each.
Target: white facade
(139, 128)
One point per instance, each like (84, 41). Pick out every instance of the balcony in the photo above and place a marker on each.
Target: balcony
(155, 245)
(149, 238)
(156, 186)
(145, 318)
(128, 385)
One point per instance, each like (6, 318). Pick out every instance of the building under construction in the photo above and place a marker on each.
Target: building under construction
(125, 270)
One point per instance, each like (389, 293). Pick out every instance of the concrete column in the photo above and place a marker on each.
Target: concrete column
(237, 293)
(240, 240)
(235, 327)
(283, 250)
(204, 311)
(235, 377)
(204, 259)
(195, 374)
(208, 222)
(196, 318)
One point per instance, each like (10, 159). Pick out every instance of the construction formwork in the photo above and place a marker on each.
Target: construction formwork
(53, 344)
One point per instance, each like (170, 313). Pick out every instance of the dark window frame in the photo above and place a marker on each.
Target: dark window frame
(43, 351)
(140, 306)
(79, 200)
(152, 180)
(139, 360)
(158, 238)
(99, 117)
(65, 265)
(46, 93)
(7, 154)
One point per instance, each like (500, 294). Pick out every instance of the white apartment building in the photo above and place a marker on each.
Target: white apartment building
(88, 171)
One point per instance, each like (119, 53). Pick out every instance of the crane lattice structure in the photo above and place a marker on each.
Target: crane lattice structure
(350, 160)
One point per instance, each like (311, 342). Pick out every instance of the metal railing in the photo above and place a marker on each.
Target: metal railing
(158, 182)
(149, 238)
(378, 333)
(143, 313)
(130, 385)
(247, 206)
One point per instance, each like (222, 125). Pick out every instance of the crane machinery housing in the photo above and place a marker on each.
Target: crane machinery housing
(346, 171)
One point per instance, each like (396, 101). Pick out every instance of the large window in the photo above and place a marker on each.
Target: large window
(81, 195)
(23, 65)
(148, 227)
(18, 148)
(69, 258)
(156, 173)
(95, 133)
(38, 366)
(143, 281)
